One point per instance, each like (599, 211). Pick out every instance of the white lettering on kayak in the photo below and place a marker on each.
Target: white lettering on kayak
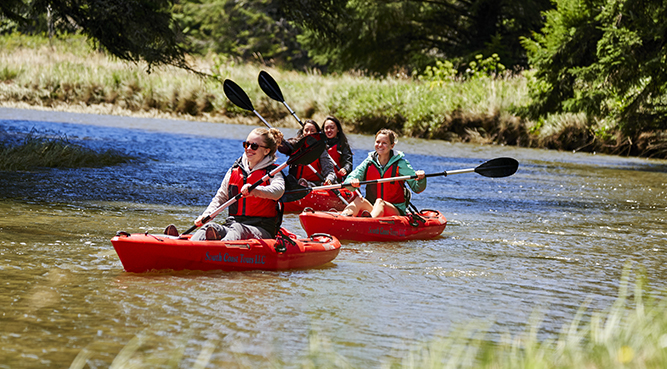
(386, 232)
(257, 259)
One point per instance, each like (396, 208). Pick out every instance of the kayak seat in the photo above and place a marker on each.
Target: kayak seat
(171, 231)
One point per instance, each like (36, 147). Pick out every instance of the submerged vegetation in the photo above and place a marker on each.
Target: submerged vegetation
(39, 150)
(486, 105)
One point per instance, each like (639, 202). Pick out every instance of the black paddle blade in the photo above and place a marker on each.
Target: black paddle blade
(499, 167)
(270, 86)
(293, 190)
(236, 95)
(309, 149)
(296, 195)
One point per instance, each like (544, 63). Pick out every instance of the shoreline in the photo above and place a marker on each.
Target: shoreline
(68, 76)
(361, 143)
(147, 122)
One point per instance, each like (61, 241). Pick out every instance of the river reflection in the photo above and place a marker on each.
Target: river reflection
(550, 237)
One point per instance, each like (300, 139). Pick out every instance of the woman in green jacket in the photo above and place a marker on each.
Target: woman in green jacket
(387, 198)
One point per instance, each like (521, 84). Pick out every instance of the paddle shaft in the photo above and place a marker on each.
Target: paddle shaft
(271, 89)
(269, 126)
(381, 180)
(310, 166)
(293, 113)
(499, 167)
(237, 197)
(303, 155)
(237, 96)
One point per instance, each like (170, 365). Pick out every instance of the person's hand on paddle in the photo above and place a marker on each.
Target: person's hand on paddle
(420, 175)
(327, 182)
(245, 189)
(354, 182)
(199, 221)
(342, 172)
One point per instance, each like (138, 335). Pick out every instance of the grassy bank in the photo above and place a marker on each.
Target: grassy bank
(42, 150)
(66, 74)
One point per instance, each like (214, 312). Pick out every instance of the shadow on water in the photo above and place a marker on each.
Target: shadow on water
(553, 235)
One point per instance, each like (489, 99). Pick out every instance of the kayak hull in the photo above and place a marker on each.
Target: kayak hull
(320, 200)
(383, 229)
(144, 252)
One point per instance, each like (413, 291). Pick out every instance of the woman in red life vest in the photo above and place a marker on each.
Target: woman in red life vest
(338, 147)
(323, 173)
(387, 198)
(255, 215)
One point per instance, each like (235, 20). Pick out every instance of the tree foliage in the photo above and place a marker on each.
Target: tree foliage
(250, 30)
(605, 58)
(383, 35)
(132, 30)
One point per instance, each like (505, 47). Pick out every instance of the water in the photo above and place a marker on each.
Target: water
(549, 238)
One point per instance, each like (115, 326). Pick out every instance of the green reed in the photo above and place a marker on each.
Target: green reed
(632, 333)
(38, 150)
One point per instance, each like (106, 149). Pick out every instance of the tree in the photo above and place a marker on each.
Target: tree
(131, 30)
(383, 35)
(250, 30)
(605, 58)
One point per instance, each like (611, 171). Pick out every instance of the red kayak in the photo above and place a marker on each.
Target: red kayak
(322, 200)
(143, 252)
(427, 224)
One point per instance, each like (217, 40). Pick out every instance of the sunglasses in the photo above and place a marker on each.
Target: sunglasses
(252, 145)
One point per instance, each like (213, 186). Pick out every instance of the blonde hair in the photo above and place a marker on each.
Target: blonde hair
(391, 134)
(270, 137)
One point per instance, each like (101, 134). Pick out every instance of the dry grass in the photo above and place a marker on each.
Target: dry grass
(68, 75)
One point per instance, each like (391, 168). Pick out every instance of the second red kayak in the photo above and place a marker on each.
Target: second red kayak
(321, 200)
(425, 225)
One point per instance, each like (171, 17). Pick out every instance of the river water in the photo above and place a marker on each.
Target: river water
(550, 238)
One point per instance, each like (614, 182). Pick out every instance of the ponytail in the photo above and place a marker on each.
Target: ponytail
(271, 138)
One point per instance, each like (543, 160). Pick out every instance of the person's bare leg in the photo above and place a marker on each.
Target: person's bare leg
(383, 208)
(358, 205)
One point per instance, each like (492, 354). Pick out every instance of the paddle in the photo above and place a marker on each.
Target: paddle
(310, 149)
(272, 90)
(494, 168)
(238, 97)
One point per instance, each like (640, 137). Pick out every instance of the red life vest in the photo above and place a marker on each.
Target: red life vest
(250, 205)
(335, 156)
(388, 191)
(303, 171)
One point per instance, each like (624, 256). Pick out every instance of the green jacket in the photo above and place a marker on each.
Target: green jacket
(404, 169)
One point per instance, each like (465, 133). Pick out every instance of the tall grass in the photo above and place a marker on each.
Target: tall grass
(67, 74)
(38, 150)
(629, 334)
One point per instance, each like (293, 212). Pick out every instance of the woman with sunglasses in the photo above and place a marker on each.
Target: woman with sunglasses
(324, 172)
(338, 147)
(387, 198)
(255, 215)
